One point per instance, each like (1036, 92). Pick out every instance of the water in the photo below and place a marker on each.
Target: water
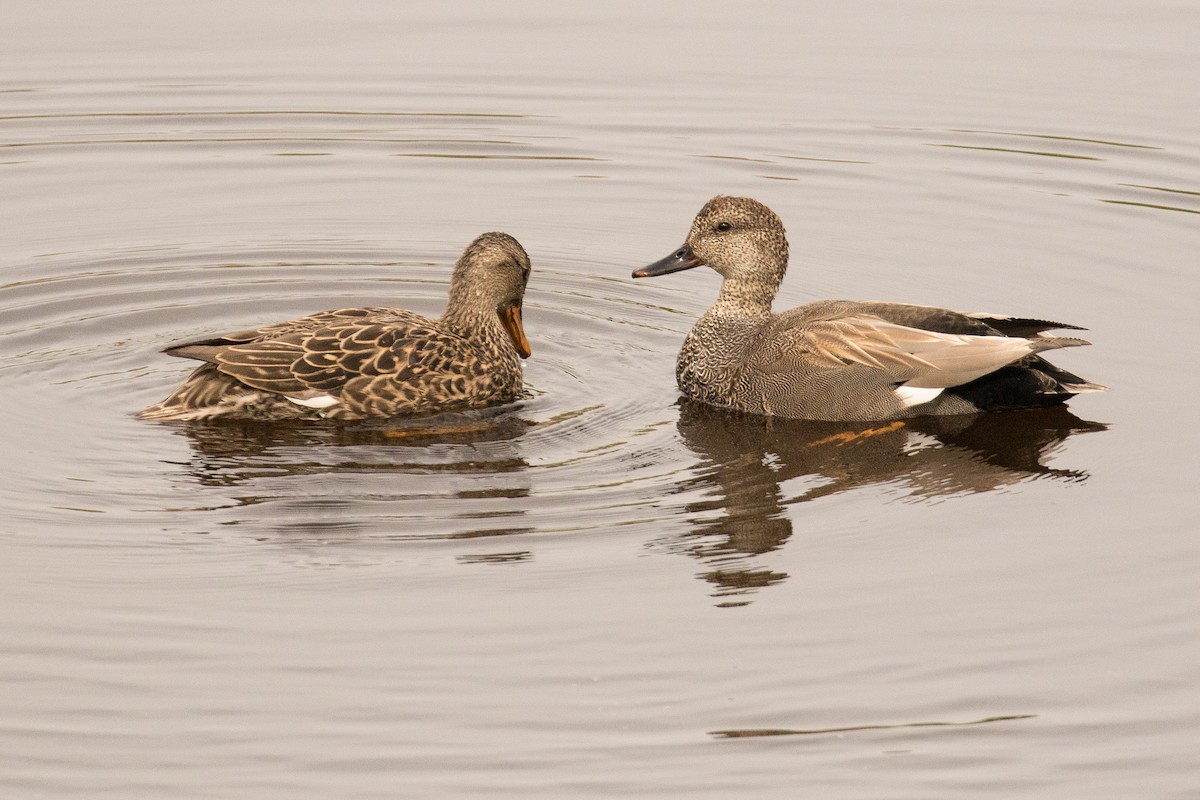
(599, 591)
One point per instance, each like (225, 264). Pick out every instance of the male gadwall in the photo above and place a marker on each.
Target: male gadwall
(840, 360)
(356, 363)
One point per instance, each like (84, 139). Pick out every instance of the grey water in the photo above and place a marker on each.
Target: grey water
(601, 590)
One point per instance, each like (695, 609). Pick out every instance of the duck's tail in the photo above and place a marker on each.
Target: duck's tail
(1032, 382)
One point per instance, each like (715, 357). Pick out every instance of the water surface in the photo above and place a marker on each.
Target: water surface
(600, 590)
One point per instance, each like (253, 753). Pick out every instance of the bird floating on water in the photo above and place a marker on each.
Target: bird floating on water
(840, 360)
(357, 363)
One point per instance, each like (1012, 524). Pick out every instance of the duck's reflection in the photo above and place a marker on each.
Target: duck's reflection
(747, 458)
(227, 452)
(411, 476)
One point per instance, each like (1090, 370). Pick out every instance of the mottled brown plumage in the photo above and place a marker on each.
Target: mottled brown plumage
(356, 363)
(840, 360)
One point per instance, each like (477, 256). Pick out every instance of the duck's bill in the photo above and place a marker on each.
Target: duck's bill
(681, 259)
(510, 317)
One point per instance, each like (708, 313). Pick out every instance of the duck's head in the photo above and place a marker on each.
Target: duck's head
(490, 277)
(736, 236)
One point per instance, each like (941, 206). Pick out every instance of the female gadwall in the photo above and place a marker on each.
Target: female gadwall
(355, 363)
(840, 360)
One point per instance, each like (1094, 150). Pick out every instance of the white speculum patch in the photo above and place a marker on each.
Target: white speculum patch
(316, 401)
(913, 396)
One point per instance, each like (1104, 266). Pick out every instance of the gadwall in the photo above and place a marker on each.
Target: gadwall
(356, 363)
(840, 360)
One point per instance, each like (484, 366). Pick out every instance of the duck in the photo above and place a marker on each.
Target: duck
(364, 363)
(844, 360)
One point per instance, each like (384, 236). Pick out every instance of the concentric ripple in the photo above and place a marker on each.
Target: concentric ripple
(589, 448)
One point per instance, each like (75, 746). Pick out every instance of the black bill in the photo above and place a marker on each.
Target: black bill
(681, 259)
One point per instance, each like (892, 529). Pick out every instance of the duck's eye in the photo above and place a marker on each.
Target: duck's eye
(724, 226)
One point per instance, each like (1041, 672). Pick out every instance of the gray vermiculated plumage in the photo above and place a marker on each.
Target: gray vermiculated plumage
(842, 360)
(357, 363)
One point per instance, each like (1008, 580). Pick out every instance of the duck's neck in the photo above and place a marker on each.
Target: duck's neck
(747, 296)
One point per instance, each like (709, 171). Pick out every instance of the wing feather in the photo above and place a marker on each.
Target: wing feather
(319, 355)
(903, 355)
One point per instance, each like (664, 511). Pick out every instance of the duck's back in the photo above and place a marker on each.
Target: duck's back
(847, 360)
(341, 364)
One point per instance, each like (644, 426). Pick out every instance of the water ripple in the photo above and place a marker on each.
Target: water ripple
(589, 449)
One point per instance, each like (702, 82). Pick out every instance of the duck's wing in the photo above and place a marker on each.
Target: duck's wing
(903, 355)
(303, 362)
(1024, 327)
(202, 349)
(932, 318)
